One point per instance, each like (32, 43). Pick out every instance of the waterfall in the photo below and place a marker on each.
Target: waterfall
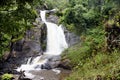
(56, 43)
(42, 14)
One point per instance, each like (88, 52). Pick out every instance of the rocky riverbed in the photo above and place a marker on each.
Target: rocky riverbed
(53, 74)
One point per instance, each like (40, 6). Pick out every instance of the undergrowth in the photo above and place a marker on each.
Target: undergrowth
(90, 60)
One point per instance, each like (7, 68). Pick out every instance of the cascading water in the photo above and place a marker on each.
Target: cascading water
(56, 43)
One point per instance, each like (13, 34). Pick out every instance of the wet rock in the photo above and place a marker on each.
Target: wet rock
(18, 45)
(53, 19)
(25, 79)
(22, 76)
(37, 21)
(31, 48)
(45, 75)
(50, 74)
(53, 11)
(46, 66)
(71, 38)
(65, 64)
(43, 38)
(51, 63)
(54, 61)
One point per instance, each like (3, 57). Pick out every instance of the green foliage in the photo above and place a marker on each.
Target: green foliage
(90, 59)
(80, 16)
(7, 76)
(86, 14)
(59, 4)
(105, 65)
(16, 17)
(74, 16)
(86, 17)
(91, 18)
(93, 41)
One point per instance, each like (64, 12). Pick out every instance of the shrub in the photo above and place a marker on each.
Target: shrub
(7, 76)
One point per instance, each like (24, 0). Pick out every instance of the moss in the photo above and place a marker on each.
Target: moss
(7, 76)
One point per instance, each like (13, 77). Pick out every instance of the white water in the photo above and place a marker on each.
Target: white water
(56, 43)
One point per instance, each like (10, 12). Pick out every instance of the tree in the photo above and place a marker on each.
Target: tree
(16, 16)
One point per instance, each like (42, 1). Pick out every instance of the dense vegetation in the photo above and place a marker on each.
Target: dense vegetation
(90, 60)
(97, 22)
(16, 16)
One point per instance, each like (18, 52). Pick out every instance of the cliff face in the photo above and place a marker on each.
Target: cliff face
(32, 45)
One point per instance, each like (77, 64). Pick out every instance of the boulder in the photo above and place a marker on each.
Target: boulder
(65, 64)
